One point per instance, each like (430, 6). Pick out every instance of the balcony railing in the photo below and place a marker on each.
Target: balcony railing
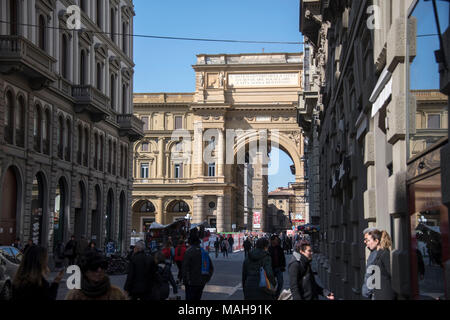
(18, 54)
(91, 100)
(130, 126)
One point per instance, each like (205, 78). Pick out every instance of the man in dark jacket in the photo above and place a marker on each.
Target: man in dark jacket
(70, 250)
(257, 258)
(301, 277)
(194, 278)
(231, 242)
(247, 246)
(141, 278)
(278, 262)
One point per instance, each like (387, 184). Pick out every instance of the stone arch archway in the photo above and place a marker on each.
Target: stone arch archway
(11, 205)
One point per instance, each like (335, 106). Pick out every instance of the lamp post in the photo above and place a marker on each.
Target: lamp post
(188, 220)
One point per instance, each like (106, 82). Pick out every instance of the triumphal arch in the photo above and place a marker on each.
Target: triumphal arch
(205, 153)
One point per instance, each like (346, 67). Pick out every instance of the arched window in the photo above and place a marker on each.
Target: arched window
(113, 25)
(99, 76)
(124, 99)
(148, 207)
(86, 148)
(114, 158)
(13, 17)
(101, 153)
(20, 122)
(42, 32)
(64, 57)
(62, 137)
(180, 206)
(99, 13)
(113, 91)
(109, 155)
(46, 132)
(9, 118)
(68, 147)
(82, 68)
(80, 144)
(37, 130)
(96, 150)
(124, 38)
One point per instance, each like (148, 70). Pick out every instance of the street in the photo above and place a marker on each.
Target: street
(225, 283)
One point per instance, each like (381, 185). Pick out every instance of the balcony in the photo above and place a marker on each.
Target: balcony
(89, 99)
(18, 54)
(130, 126)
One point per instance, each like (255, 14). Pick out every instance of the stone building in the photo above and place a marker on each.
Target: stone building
(239, 100)
(66, 122)
(369, 78)
(281, 204)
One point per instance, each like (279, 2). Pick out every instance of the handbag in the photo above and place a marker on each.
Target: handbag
(264, 282)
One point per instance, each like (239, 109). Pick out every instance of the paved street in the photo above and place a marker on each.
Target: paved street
(225, 284)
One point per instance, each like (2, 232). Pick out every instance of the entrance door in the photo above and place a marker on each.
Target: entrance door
(8, 211)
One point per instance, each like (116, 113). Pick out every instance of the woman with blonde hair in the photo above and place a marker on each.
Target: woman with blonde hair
(381, 242)
(30, 281)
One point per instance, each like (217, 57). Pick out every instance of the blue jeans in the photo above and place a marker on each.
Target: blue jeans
(280, 281)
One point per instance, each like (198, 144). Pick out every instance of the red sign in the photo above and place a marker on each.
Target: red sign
(256, 220)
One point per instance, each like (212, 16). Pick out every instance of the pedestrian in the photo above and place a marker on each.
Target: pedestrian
(95, 283)
(301, 277)
(251, 271)
(278, 263)
(17, 244)
(230, 242)
(30, 283)
(70, 250)
(224, 247)
(217, 246)
(289, 243)
(247, 246)
(180, 251)
(379, 243)
(197, 268)
(141, 282)
(91, 248)
(165, 276)
(28, 245)
(167, 250)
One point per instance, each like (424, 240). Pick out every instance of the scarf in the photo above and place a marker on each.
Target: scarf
(93, 290)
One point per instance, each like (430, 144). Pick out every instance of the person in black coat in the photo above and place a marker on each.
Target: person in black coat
(231, 242)
(257, 258)
(193, 277)
(30, 283)
(247, 246)
(278, 262)
(141, 283)
(301, 277)
(70, 250)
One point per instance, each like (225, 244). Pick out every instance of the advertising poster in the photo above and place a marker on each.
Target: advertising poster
(256, 220)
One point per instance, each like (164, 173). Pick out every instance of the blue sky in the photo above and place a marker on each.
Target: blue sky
(166, 65)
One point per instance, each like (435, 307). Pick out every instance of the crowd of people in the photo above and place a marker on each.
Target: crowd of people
(150, 276)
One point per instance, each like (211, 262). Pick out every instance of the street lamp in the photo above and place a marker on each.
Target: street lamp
(188, 219)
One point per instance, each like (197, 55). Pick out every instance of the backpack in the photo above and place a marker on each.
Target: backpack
(206, 265)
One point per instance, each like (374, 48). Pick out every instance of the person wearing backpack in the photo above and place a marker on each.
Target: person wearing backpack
(180, 251)
(197, 268)
(224, 247)
(251, 272)
(301, 277)
(165, 276)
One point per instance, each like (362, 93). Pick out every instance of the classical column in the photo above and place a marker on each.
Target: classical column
(159, 210)
(160, 162)
(199, 209)
(221, 154)
(220, 214)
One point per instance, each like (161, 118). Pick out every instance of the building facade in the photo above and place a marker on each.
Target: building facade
(373, 127)
(281, 208)
(66, 122)
(199, 146)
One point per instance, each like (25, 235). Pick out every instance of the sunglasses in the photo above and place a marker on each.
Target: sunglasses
(100, 264)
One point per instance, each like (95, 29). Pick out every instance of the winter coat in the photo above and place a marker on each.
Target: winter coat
(301, 279)
(44, 292)
(231, 241)
(70, 249)
(180, 251)
(247, 245)
(167, 252)
(192, 267)
(141, 276)
(256, 259)
(165, 278)
(383, 261)
(114, 293)
(278, 258)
